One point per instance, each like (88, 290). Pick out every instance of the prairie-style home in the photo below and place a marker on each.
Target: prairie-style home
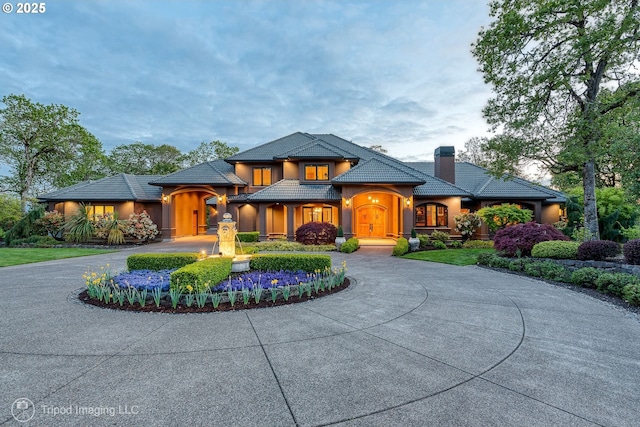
(276, 187)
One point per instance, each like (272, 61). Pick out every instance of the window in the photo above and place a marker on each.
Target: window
(432, 215)
(98, 211)
(316, 172)
(261, 177)
(316, 214)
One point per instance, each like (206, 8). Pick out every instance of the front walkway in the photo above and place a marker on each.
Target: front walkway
(409, 343)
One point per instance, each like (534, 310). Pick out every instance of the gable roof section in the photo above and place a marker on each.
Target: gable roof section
(266, 152)
(290, 190)
(376, 171)
(217, 172)
(438, 187)
(317, 149)
(121, 187)
(482, 185)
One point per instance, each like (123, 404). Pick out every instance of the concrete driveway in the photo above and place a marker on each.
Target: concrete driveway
(409, 343)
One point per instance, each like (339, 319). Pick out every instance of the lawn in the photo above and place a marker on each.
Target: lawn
(449, 256)
(16, 256)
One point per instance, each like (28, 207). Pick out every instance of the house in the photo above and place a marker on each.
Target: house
(276, 187)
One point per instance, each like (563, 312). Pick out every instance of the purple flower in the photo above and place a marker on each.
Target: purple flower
(141, 279)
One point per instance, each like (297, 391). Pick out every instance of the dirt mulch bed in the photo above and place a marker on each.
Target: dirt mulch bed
(165, 306)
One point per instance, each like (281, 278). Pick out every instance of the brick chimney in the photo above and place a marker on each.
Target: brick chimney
(444, 166)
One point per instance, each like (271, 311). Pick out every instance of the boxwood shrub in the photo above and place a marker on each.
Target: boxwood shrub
(597, 250)
(585, 277)
(548, 270)
(290, 262)
(401, 247)
(519, 264)
(632, 252)
(557, 249)
(248, 236)
(157, 262)
(614, 283)
(631, 294)
(351, 245)
(210, 270)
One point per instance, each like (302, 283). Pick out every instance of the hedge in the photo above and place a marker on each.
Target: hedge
(585, 277)
(597, 250)
(351, 245)
(401, 247)
(557, 249)
(210, 270)
(157, 262)
(290, 262)
(631, 251)
(614, 283)
(248, 236)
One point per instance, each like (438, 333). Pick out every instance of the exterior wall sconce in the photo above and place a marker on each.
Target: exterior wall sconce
(408, 202)
(220, 198)
(347, 202)
(165, 198)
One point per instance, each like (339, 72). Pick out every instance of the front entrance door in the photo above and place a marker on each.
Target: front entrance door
(371, 221)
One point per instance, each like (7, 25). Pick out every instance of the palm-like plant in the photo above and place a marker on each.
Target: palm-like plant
(79, 228)
(116, 233)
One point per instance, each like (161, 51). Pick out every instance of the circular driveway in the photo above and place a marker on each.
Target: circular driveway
(409, 343)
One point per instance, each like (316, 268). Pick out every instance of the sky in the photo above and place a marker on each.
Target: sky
(393, 73)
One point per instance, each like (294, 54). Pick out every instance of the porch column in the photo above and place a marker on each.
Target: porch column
(407, 216)
(168, 219)
(262, 221)
(291, 210)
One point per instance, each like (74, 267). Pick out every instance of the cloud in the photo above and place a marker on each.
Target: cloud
(397, 74)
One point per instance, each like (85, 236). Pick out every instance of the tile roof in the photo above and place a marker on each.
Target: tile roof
(482, 185)
(377, 171)
(217, 172)
(120, 187)
(316, 149)
(290, 190)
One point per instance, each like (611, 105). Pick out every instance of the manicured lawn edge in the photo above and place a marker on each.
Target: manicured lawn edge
(20, 256)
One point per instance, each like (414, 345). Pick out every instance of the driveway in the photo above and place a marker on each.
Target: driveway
(409, 343)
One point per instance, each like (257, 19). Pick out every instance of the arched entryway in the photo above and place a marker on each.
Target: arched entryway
(371, 221)
(377, 214)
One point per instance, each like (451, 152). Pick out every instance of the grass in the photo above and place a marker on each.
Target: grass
(449, 256)
(17, 256)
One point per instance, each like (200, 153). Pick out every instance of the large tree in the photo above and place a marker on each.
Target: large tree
(144, 159)
(208, 151)
(36, 142)
(547, 62)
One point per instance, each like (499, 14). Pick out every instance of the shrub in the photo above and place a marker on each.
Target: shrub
(485, 258)
(248, 236)
(439, 245)
(456, 244)
(140, 226)
(290, 262)
(316, 233)
(519, 264)
(547, 270)
(585, 277)
(351, 245)
(630, 233)
(340, 233)
(401, 247)
(111, 228)
(557, 249)
(632, 252)
(157, 262)
(500, 262)
(413, 233)
(209, 271)
(631, 294)
(440, 236)
(498, 217)
(519, 239)
(597, 250)
(52, 222)
(614, 283)
(36, 241)
(285, 246)
(424, 241)
(478, 244)
(26, 227)
(467, 223)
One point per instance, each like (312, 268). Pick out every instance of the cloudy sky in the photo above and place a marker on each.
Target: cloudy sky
(394, 73)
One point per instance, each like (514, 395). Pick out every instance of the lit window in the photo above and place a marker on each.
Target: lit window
(316, 172)
(96, 211)
(432, 215)
(261, 177)
(316, 214)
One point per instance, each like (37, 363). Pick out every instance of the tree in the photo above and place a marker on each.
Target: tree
(10, 211)
(547, 62)
(208, 151)
(501, 216)
(378, 148)
(474, 152)
(144, 159)
(89, 162)
(36, 142)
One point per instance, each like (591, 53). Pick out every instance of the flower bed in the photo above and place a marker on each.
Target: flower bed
(146, 290)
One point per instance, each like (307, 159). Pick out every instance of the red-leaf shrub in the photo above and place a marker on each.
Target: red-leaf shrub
(316, 233)
(520, 238)
(632, 252)
(597, 250)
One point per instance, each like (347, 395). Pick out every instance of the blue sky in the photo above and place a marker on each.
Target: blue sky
(395, 73)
